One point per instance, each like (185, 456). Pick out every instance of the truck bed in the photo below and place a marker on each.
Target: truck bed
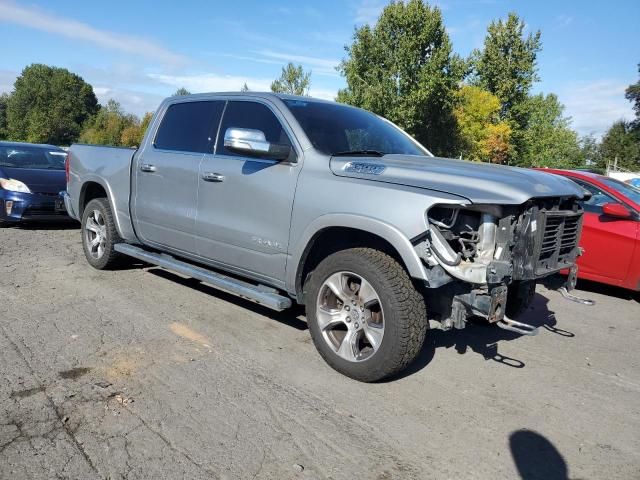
(106, 167)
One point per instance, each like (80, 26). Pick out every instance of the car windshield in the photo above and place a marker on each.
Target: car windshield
(336, 129)
(625, 189)
(31, 157)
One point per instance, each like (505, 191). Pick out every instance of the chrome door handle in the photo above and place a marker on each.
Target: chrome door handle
(146, 167)
(212, 177)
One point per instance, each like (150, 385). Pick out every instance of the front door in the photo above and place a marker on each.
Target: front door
(608, 242)
(166, 174)
(245, 203)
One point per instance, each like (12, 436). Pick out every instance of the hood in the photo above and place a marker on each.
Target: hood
(477, 182)
(38, 180)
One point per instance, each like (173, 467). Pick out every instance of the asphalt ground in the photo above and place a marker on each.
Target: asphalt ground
(140, 373)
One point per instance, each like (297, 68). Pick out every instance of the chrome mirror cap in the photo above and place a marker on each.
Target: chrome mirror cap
(246, 140)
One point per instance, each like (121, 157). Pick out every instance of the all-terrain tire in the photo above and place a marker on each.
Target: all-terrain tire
(405, 316)
(110, 258)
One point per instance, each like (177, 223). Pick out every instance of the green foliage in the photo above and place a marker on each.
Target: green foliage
(506, 67)
(133, 134)
(4, 100)
(507, 64)
(108, 125)
(180, 92)
(49, 105)
(633, 95)
(591, 152)
(482, 135)
(404, 69)
(293, 80)
(621, 143)
(549, 140)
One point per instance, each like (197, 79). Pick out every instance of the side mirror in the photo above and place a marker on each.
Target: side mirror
(253, 143)
(616, 210)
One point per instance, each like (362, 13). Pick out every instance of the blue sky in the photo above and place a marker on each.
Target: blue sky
(141, 51)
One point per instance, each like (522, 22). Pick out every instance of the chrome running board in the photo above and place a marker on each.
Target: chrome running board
(256, 293)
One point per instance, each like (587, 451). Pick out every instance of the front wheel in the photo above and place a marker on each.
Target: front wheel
(99, 234)
(365, 316)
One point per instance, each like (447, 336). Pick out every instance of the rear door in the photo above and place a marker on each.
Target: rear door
(608, 242)
(166, 174)
(244, 216)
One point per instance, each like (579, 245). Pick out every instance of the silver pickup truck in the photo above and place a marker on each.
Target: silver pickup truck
(282, 199)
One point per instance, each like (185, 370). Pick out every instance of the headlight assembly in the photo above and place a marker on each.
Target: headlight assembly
(13, 185)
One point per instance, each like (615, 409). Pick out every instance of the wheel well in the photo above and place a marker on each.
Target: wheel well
(90, 190)
(333, 239)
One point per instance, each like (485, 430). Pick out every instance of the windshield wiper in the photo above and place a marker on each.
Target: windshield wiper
(367, 153)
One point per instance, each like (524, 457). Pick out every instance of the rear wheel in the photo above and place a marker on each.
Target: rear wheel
(365, 317)
(99, 234)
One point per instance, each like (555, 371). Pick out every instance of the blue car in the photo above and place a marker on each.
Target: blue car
(634, 182)
(31, 179)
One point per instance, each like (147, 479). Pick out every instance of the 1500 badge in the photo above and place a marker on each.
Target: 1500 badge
(360, 167)
(267, 243)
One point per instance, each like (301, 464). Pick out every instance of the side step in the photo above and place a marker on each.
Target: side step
(256, 293)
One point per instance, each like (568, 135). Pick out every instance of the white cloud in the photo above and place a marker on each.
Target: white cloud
(7, 78)
(320, 66)
(35, 18)
(562, 21)
(368, 11)
(595, 106)
(132, 101)
(211, 82)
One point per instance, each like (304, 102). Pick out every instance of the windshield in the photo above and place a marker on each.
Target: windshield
(625, 189)
(31, 157)
(339, 129)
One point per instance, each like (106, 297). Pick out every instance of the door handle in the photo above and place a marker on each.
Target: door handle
(146, 167)
(212, 177)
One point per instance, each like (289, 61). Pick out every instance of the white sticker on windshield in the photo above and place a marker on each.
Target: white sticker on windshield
(534, 225)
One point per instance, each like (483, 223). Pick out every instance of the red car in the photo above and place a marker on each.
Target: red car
(611, 230)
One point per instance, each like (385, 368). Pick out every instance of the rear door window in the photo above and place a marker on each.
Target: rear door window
(255, 116)
(189, 126)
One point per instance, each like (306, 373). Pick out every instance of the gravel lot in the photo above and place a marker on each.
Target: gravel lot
(140, 373)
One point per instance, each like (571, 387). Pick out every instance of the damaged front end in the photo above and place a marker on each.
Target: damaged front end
(484, 260)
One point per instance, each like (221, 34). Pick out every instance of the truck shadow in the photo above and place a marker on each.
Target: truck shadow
(63, 224)
(290, 318)
(483, 338)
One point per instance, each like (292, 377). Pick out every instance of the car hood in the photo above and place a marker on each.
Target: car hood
(38, 180)
(477, 182)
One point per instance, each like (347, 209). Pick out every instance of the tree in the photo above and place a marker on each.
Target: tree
(496, 146)
(591, 152)
(181, 91)
(245, 87)
(108, 125)
(49, 105)
(621, 144)
(633, 95)
(293, 80)
(404, 69)
(481, 134)
(506, 66)
(133, 134)
(4, 100)
(549, 140)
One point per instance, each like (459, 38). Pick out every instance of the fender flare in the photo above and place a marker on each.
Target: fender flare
(107, 189)
(388, 232)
